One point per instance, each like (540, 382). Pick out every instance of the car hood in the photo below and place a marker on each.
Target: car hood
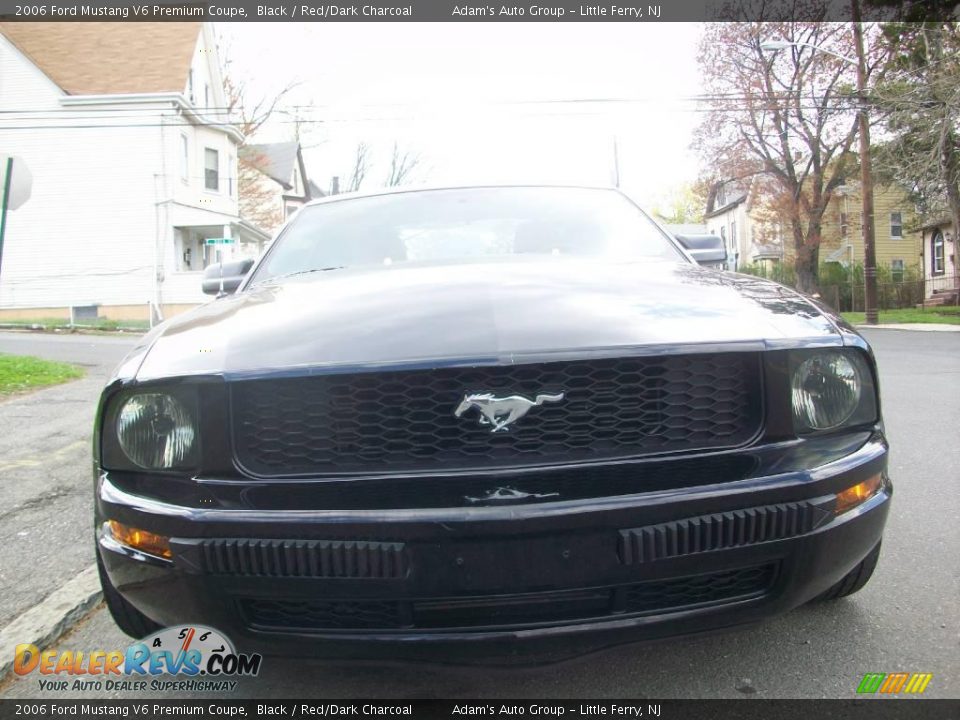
(492, 311)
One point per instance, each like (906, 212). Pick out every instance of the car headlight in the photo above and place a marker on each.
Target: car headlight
(156, 431)
(831, 389)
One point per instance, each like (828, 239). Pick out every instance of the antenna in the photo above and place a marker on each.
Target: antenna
(616, 163)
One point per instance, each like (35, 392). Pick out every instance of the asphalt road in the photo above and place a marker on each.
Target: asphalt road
(906, 619)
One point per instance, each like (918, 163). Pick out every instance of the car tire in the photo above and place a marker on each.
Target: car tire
(133, 622)
(853, 580)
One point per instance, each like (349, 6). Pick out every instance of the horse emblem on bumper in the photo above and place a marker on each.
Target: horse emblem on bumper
(501, 412)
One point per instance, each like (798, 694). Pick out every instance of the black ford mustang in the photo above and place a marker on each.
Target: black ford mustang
(489, 421)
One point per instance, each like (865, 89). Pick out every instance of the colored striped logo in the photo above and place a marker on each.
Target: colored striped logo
(892, 683)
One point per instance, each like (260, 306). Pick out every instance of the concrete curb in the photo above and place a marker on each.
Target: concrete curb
(44, 623)
(922, 327)
(75, 330)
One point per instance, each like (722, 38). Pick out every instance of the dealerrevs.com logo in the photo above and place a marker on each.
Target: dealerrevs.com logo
(204, 659)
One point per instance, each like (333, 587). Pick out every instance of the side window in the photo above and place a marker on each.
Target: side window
(211, 169)
(896, 225)
(184, 159)
(936, 256)
(896, 270)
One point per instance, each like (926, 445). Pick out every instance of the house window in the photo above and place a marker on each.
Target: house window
(206, 96)
(184, 159)
(190, 85)
(844, 229)
(211, 169)
(896, 270)
(896, 225)
(936, 257)
(231, 165)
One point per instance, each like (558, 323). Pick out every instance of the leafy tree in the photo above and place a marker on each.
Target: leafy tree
(784, 117)
(919, 97)
(684, 204)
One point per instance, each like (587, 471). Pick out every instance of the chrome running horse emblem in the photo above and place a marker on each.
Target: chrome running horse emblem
(499, 413)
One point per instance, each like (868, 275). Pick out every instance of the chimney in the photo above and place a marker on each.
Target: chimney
(335, 185)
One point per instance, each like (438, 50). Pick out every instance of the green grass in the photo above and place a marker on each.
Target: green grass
(98, 324)
(22, 372)
(944, 315)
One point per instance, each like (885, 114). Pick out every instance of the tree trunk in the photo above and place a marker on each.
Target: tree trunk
(805, 261)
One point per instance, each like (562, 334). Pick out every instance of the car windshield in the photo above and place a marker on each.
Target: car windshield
(456, 225)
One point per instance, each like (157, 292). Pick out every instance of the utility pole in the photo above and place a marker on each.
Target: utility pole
(866, 174)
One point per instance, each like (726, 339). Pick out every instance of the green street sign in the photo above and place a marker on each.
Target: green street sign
(219, 241)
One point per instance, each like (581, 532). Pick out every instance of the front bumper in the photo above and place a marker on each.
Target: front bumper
(532, 581)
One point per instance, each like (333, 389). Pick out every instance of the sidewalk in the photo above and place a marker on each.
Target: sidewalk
(47, 572)
(922, 327)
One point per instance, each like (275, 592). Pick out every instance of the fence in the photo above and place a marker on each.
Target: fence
(849, 297)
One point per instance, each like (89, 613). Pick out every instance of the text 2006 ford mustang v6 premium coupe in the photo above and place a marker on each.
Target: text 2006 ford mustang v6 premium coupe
(485, 421)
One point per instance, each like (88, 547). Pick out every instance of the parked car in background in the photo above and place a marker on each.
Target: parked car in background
(508, 421)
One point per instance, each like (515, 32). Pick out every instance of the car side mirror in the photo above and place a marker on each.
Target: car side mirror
(224, 278)
(707, 250)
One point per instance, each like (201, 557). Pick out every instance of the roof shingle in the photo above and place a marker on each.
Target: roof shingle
(94, 58)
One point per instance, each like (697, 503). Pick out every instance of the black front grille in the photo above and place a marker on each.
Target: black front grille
(405, 420)
(517, 610)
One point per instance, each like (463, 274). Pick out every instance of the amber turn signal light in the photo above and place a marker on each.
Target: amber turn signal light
(141, 540)
(859, 493)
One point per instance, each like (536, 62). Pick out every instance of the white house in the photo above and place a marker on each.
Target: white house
(134, 165)
(941, 270)
(751, 237)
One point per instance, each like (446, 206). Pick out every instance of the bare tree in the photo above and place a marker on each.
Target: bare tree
(257, 199)
(784, 118)
(361, 163)
(402, 165)
(246, 110)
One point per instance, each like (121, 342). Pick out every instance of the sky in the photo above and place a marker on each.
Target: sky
(483, 102)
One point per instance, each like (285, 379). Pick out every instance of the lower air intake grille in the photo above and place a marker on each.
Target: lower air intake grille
(505, 611)
(718, 531)
(304, 558)
(319, 614)
(648, 597)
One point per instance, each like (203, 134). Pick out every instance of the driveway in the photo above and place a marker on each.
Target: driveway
(906, 619)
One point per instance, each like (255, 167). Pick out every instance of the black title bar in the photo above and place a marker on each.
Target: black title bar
(464, 709)
(468, 11)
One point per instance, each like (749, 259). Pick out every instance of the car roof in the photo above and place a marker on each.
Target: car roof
(430, 188)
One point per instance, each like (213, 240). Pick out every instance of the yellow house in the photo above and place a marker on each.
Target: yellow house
(754, 234)
(898, 239)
